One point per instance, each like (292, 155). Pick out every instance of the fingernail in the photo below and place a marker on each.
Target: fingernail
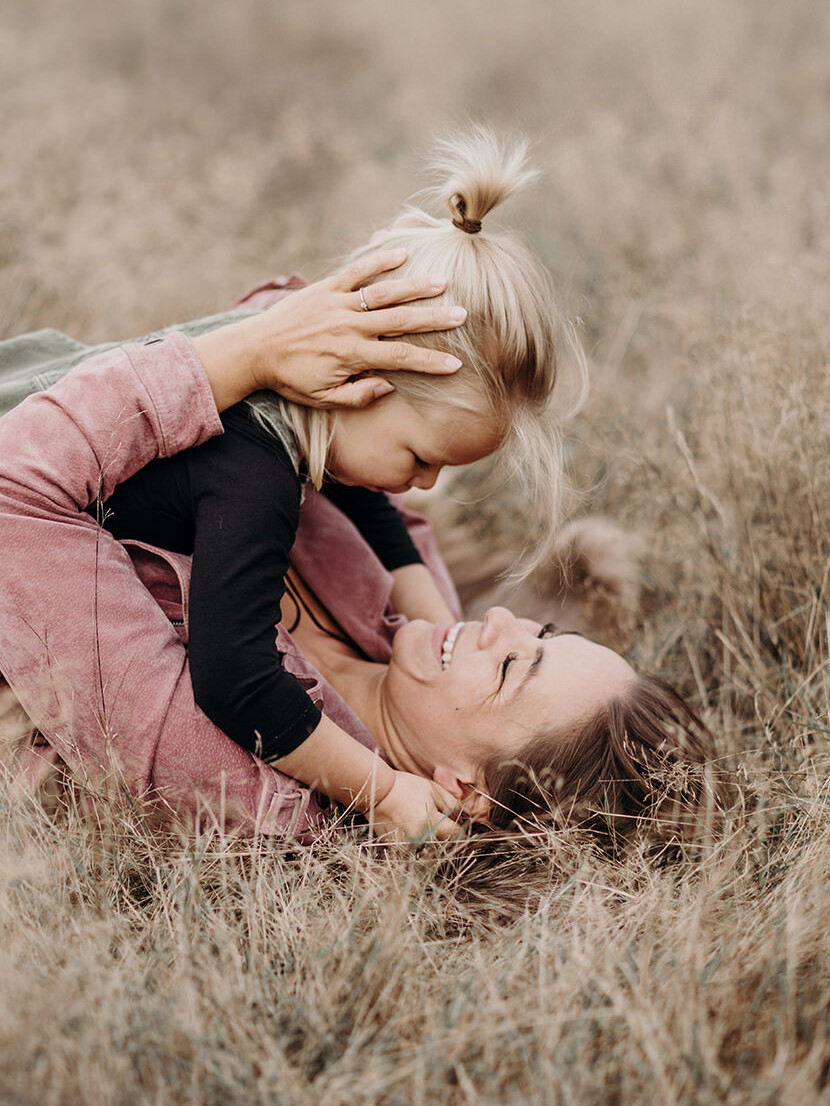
(437, 281)
(399, 254)
(452, 363)
(458, 314)
(384, 388)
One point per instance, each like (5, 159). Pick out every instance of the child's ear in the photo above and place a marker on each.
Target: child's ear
(473, 801)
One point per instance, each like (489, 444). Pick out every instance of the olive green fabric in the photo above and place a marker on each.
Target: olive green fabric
(33, 362)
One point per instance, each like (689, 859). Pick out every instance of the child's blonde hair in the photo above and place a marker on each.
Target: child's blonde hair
(507, 344)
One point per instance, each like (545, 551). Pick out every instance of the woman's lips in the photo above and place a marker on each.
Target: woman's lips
(438, 636)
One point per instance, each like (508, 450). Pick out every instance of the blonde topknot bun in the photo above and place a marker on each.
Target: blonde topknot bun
(478, 171)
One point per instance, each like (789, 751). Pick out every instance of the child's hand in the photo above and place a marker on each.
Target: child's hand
(416, 808)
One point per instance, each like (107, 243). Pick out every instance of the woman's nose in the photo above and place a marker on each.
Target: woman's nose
(497, 621)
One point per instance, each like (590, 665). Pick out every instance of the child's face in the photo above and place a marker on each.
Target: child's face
(393, 446)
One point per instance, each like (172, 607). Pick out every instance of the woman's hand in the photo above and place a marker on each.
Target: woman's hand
(415, 808)
(311, 345)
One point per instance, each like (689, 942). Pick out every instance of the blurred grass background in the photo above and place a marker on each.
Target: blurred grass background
(161, 157)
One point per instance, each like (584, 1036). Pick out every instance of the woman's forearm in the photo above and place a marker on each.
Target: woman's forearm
(106, 419)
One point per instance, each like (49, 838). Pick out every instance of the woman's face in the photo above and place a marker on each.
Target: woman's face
(456, 697)
(393, 445)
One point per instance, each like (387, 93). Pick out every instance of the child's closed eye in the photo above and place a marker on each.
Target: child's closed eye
(421, 463)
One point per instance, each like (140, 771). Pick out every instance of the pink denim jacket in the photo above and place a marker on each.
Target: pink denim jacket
(93, 632)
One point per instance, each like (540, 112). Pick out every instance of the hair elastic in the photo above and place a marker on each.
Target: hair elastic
(471, 226)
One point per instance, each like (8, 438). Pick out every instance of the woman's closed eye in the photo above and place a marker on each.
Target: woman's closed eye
(548, 630)
(505, 664)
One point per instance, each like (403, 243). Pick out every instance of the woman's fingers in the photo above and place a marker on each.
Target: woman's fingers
(367, 267)
(378, 310)
(400, 290)
(358, 393)
(414, 320)
(403, 355)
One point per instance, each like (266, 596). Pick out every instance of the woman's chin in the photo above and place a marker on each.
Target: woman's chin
(416, 648)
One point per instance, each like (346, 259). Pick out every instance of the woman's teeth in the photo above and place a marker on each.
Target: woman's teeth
(449, 645)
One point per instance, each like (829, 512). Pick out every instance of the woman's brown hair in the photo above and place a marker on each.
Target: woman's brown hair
(644, 760)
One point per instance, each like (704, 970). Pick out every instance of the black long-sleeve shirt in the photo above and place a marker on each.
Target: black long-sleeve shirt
(233, 503)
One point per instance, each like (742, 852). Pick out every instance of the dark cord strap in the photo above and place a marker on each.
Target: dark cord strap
(290, 592)
(300, 602)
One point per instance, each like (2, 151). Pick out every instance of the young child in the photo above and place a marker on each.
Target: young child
(234, 502)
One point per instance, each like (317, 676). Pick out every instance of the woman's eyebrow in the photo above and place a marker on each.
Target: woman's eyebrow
(532, 668)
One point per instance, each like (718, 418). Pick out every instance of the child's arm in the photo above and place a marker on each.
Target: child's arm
(236, 501)
(415, 594)
(240, 556)
(331, 761)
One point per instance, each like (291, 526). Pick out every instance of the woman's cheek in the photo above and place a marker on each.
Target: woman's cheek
(462, 694)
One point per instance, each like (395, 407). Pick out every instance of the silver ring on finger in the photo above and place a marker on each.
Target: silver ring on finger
(363, 302)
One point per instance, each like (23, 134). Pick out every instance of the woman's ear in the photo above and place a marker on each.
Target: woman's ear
(474, 801)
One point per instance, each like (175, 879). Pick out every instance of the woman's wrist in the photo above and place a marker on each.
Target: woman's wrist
(229, 358)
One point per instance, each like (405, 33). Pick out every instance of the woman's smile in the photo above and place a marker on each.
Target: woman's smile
(444, 639)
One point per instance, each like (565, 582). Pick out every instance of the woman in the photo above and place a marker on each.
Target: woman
(92, 632)
(234, 503)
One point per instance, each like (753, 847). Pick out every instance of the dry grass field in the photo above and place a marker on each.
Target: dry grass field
(160, 157)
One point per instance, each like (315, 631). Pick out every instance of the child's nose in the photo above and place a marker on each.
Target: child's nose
(426, 479)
